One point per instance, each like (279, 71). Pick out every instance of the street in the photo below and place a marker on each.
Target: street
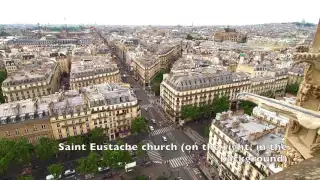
(180, 163)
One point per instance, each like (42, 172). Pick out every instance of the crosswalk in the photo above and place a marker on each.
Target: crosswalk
(154, 155)
(161, 130)
(180, 161)
(145, 106)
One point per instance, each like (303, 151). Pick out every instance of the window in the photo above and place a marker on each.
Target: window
(8, 133)
(59, 130)
(73, 122)
(25, 130)
(60, 136)
(87, 124)
(34, 128)
(17, 131)
(30, 140)
(43, 126)
(74, 127)
(75, 133)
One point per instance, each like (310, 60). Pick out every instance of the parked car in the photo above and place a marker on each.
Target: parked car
(153, 121)
(69, 172)
(51, 177)
(101, 169)
(164, 138)
(151, 128)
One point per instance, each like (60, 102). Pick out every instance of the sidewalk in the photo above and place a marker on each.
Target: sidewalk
(195, 136)
(208, 172)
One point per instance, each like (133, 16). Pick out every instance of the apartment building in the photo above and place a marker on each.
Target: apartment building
(271, 117)
(242, 147)
(32, 78)
(88, 70)
(296, 75)
(25, 118)
(113, 107)
(201, 85)
(146, 65)
(69, 114)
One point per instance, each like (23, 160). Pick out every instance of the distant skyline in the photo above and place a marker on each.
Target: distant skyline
(158, 12)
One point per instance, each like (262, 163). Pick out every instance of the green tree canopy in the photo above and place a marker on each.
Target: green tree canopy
(139, 125)
(140, 151)
(292, 88)
(247, 106)
(189, 37)
(90, 164)
(162, 178)
(25, 178)
(190, 112)
(13, 151)
(116, 158)
(46, 148)
(55, 170)
(141, 177)
(3, 76)
(75, 140)
(207, 131)
(97, 136)
(156, 89)
(221, 104)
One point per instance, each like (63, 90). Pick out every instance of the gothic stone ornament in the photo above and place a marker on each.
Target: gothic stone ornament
(315, 147)
(294, 126)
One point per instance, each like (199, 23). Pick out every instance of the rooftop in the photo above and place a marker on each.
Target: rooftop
(84, 66)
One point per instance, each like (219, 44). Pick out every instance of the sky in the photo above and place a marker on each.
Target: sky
(158, 12)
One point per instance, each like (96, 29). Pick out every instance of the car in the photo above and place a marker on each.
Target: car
(69, 172)
(164, 138)
(101, 169)
(178, 178)
(147, 164)
(151, 128)
(153, 121)
(51, 177)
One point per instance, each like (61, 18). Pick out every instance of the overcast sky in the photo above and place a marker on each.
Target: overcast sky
(158, 12)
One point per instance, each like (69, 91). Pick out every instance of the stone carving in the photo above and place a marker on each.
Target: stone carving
(315, 146)
(304, 92)
(294, 126)
(292, 157)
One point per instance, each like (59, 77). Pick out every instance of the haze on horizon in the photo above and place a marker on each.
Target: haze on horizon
(158, 12)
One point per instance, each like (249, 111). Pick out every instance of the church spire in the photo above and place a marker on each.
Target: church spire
(316, 40)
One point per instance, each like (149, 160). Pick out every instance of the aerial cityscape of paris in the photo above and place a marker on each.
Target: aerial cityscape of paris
(159, 90)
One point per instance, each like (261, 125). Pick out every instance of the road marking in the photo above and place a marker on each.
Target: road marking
(154, 155)
(146, 106)
(161, 130)
(196, 171)
(180, 161)
(191, 173)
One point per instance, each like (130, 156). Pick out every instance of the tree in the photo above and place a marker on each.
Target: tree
(190, 112)
(156, 89)
(162, 178)
(247, 106)
(139, 125)
(115, 158)
(220, 104)
(292, 88)
(96, 136)
(75, 140)
(3, 76)
(13, 151)
(206, 131)
(189, 37)
(141, 177)
(140, 151)
(46, 148)
(55, 170)
(25, 178)
(90, 164)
